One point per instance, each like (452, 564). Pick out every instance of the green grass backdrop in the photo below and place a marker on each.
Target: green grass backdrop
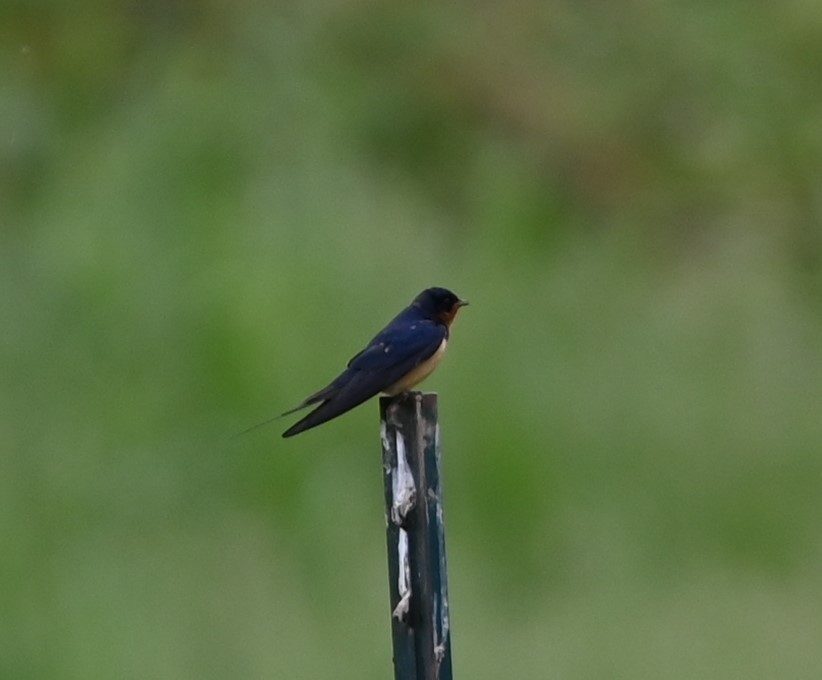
(206, 208)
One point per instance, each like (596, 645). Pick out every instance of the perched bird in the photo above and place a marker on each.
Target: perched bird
(400, 356)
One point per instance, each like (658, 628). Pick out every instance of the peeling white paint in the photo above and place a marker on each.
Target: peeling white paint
(402, 485)
(384, 436)
(441, 613)
(404, 577)
(439, 654)
(441, 598)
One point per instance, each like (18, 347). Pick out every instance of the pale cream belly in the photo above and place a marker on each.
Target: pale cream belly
(419, 373)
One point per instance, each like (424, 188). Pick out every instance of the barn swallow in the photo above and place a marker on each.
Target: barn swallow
(399, 357)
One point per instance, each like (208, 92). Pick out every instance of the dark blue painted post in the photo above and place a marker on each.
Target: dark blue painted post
(416, 537)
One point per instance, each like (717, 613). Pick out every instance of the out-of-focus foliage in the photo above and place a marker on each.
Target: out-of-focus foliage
(205, 210)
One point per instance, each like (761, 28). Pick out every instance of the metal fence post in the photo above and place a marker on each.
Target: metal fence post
(420, 624)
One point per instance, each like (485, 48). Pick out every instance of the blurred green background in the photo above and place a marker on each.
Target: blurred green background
(207, 208)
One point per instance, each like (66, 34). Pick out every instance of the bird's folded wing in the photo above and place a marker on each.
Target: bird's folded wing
(396, 347)
(389, 357)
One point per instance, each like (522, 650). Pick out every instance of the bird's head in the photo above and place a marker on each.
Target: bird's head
(439, 304)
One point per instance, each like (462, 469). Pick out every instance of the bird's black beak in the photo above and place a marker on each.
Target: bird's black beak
(461, 303)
